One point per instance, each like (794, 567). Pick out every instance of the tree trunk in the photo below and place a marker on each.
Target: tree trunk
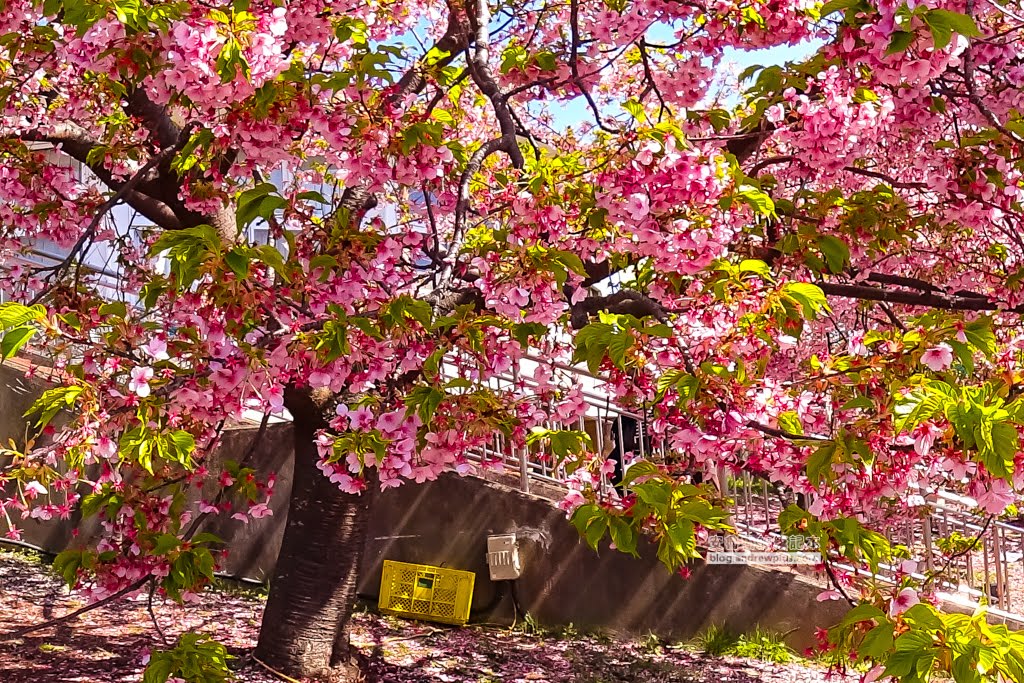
(305, 630)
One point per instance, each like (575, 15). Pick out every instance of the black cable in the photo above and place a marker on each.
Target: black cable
(515, 600)
(501, 589)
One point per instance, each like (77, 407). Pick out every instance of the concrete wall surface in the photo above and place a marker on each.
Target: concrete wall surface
(446, 523)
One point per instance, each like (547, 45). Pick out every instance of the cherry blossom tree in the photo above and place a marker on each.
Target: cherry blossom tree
(809, 272)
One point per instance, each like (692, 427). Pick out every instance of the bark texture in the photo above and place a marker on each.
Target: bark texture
(305, 630)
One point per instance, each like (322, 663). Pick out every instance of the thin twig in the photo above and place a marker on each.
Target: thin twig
(955, 556)
(152, 614)
(574, 28)
(414, 636)
(282, 676)
(835, 582)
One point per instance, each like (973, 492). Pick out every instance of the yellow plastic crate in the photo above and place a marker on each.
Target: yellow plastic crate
(423, 592)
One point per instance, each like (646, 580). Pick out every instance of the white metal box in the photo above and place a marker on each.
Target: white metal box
(503, 557)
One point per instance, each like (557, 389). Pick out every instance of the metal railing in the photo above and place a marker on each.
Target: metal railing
(610, 428)
(979, 558)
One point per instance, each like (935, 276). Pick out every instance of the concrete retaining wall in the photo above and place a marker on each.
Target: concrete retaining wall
(447, 522)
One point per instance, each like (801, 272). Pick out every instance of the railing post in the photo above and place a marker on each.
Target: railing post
(1001, 575)
(524, 470)
(928, 541)
(749, 502)
(767, 507)
(985, 566)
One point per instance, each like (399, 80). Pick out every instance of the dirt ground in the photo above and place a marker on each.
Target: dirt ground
(107, 645)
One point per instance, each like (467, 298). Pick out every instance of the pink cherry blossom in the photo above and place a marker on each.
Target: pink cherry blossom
(139, 382)
(638, 206)
(157, 348)
(903, 601)
(938, 357)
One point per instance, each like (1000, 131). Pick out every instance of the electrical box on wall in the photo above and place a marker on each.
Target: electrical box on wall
(503, 557)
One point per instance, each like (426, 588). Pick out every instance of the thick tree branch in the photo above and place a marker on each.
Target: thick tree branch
(120, 195)
(930, 299)
(626, 301)
(480, 72)
(602, 270)
(77, 144)
(154, 117)
(453, 42)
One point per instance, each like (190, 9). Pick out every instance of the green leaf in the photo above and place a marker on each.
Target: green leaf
(912, 649)
(52, 401)
(917, 407)
(238, 262)
(835, 251)
(980, 335)
(206, 537)
(809, 296)
(640, 468)
(657, 494)
(271, 257)
(790, 422)
(1001, 443)
(595, 530)
(923, 616)
(685, 384)
(757, 199)
(862, 95)
(899, 42)
(116, 309)
(426, 400)
(862, 402)
(837, 6)
(863, 612)
(187, 250)
(14, 314)
(819, 464)
(15, 339)
(682, 538)
(258, 202)
(961, 23)
(757, 267)
(940, 29)
(69, 562)
(165, 543)
(182, 445)
(570, 260)
(623, 536)
(965, 669)
(877, 642)
(546, 61)
(635, 109)
(618, 345)
(312, 196)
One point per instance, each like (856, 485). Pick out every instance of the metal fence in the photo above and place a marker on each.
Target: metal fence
(981, 559)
